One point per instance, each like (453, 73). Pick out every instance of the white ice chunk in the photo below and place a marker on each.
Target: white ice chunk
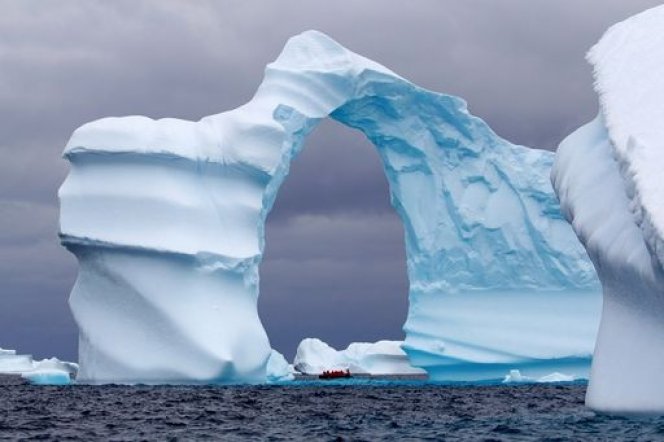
(278, 368)
(515, 377)
(379, 358)
(45, 372)
(314, 356)
(557, 377)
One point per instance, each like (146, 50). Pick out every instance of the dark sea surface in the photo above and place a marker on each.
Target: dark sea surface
(312, 410)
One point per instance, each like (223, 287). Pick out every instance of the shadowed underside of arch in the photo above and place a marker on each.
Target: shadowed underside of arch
(167, 220)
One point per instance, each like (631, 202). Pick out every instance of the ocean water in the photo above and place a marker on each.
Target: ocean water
(311, 410)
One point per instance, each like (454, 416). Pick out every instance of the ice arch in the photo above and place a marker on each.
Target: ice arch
(166, 219)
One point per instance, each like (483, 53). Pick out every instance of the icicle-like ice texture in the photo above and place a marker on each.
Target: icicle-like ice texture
(608, 175)
(167, 221)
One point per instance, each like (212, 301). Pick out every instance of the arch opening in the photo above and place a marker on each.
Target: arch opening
(334, 266)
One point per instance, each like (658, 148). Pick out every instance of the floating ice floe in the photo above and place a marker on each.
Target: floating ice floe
(380, 358)
(42, 372)
(278, 368)
(515, 377)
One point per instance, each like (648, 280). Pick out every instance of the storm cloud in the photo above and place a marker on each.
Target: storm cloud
(335, 264)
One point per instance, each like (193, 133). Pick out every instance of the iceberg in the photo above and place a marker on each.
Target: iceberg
(314, 356)
(278, 368)
(515, 377)
(51, 372)
(379, 358)
(608, 176)
(167, 218)
(44, 372)
(557, 377)
(10, 362)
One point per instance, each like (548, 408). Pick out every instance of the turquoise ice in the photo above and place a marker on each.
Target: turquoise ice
(167, 221)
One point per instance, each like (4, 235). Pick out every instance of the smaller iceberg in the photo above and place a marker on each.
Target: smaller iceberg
(278, 369)
(515, 377)
(380, 358)
(12, 363)
(45, 372)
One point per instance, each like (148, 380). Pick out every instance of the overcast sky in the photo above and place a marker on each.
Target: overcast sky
(334, 265)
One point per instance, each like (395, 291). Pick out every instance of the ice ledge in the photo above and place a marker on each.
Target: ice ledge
(204, 260)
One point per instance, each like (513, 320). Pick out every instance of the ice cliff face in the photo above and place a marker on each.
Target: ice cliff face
(167, 221)
(608, 175)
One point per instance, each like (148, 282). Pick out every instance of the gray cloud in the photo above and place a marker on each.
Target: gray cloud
(340, 277)
(518, 63)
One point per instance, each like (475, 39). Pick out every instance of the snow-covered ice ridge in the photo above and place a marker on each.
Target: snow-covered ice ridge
(608, 175)
(167, 217)
(376, 358)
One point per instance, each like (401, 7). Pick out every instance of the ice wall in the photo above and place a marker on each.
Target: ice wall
(167, 220)
(608, 175)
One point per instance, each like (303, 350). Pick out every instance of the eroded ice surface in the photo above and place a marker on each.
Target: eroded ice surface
(166, 218)
(608, 175)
